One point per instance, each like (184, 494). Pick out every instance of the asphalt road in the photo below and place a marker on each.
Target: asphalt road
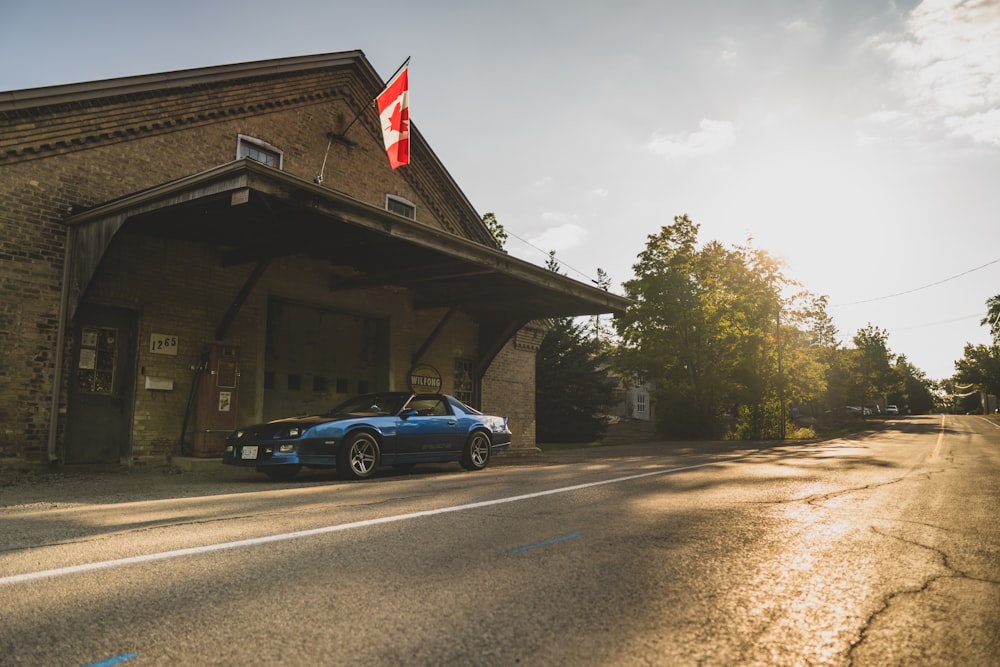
(879, 549)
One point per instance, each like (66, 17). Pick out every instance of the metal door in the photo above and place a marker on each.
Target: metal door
(218, 391)
(101, 386)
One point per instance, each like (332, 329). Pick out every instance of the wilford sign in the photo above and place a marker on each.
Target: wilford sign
(424, 379)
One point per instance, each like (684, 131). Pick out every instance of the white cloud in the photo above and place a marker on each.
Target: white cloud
(713, 136)
(948, 66)
(563, 237)
(983, 128)
(885, 116)
(600, 192)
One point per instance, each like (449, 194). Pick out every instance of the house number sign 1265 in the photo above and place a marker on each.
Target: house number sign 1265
(163, 344)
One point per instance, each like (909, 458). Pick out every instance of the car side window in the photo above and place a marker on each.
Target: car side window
(429, 406)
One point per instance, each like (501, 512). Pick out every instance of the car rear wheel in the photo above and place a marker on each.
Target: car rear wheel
(358, 457)
(477, 451)
(280, 473)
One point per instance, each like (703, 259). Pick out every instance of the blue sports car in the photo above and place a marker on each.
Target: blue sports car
(357, 436)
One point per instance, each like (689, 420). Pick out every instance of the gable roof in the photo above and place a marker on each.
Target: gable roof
(466, 271)
(41, 122)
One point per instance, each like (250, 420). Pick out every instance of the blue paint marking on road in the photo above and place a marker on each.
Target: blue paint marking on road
(113, 661)
(546, 543)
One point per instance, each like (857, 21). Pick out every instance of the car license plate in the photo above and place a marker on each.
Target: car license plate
(249, 452)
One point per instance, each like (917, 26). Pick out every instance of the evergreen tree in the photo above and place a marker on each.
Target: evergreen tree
(572, 387)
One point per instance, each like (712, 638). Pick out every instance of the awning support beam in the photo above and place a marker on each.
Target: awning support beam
(244, 293)
(419, 354)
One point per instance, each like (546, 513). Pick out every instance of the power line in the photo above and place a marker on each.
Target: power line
(934, 324)
(917, 289)
(546, 253)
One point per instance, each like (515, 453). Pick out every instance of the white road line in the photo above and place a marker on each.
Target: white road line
(209, 548)
(990, 422)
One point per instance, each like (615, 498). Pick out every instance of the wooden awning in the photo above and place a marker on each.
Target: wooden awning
(255, 214)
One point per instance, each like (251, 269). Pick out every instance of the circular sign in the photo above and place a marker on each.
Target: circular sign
(424, 378)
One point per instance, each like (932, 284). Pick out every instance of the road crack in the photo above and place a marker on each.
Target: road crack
(952, 572)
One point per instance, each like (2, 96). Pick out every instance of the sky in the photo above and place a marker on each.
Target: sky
(857, 141)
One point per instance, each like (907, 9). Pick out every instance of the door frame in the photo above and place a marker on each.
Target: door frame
(126, 321)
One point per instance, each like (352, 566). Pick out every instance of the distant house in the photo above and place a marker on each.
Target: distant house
(171, 267)
(633, 400)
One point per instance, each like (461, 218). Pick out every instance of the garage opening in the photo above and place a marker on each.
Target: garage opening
(316, 358)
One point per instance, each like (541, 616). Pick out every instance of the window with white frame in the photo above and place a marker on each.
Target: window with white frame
(400, 206)
(640, 403)
(258, 150)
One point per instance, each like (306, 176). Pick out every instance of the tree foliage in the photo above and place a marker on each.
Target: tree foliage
(980, 367)
(573, 387)
(708, 326)
(496, 229)
(992, 318)
(734, 348)
(876, 375)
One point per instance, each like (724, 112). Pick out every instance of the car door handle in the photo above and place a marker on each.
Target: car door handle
(452, 422)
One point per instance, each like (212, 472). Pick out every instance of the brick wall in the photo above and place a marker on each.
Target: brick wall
(509, 386)
(55, 160)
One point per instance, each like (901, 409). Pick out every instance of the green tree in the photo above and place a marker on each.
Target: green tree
(992, 318)
(496, 229)
(877, 378)
(599, 327)
(980, 367)
(704, 328)
(917, 394)
(573, 389)
(662, 334)
(551, 263)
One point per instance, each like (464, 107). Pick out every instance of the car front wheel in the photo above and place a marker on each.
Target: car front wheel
(477, 451)
(358, 457)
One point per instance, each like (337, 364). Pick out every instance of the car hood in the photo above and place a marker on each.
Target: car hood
(279, 427)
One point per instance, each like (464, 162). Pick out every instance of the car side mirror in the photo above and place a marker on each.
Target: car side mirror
(406, 414)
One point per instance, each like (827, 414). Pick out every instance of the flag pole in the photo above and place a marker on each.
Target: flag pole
(388, 81)
(343, 133)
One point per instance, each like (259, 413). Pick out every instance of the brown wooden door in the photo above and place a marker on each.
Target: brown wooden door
(102, 386)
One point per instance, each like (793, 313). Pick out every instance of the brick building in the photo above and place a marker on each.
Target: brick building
(171, 266)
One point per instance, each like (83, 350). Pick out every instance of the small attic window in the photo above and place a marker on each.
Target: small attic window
(258, 150)
(401, 206)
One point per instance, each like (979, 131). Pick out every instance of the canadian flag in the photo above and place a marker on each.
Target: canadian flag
(394, 110)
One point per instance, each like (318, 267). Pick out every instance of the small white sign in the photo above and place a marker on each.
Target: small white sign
(163, 344)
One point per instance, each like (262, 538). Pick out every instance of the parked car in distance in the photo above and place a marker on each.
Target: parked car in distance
(362, 433)
(891, 410)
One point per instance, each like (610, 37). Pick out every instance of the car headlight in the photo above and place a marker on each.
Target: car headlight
(294, 432)
(286, 448)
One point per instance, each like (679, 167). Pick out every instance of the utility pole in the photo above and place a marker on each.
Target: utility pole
(781, 378)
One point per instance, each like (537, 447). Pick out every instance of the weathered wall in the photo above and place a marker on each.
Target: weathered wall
(66, 158)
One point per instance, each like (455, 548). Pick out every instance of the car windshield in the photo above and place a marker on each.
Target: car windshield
(370, 405)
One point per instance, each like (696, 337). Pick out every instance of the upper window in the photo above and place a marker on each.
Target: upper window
(258, 150)
(401, 206)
